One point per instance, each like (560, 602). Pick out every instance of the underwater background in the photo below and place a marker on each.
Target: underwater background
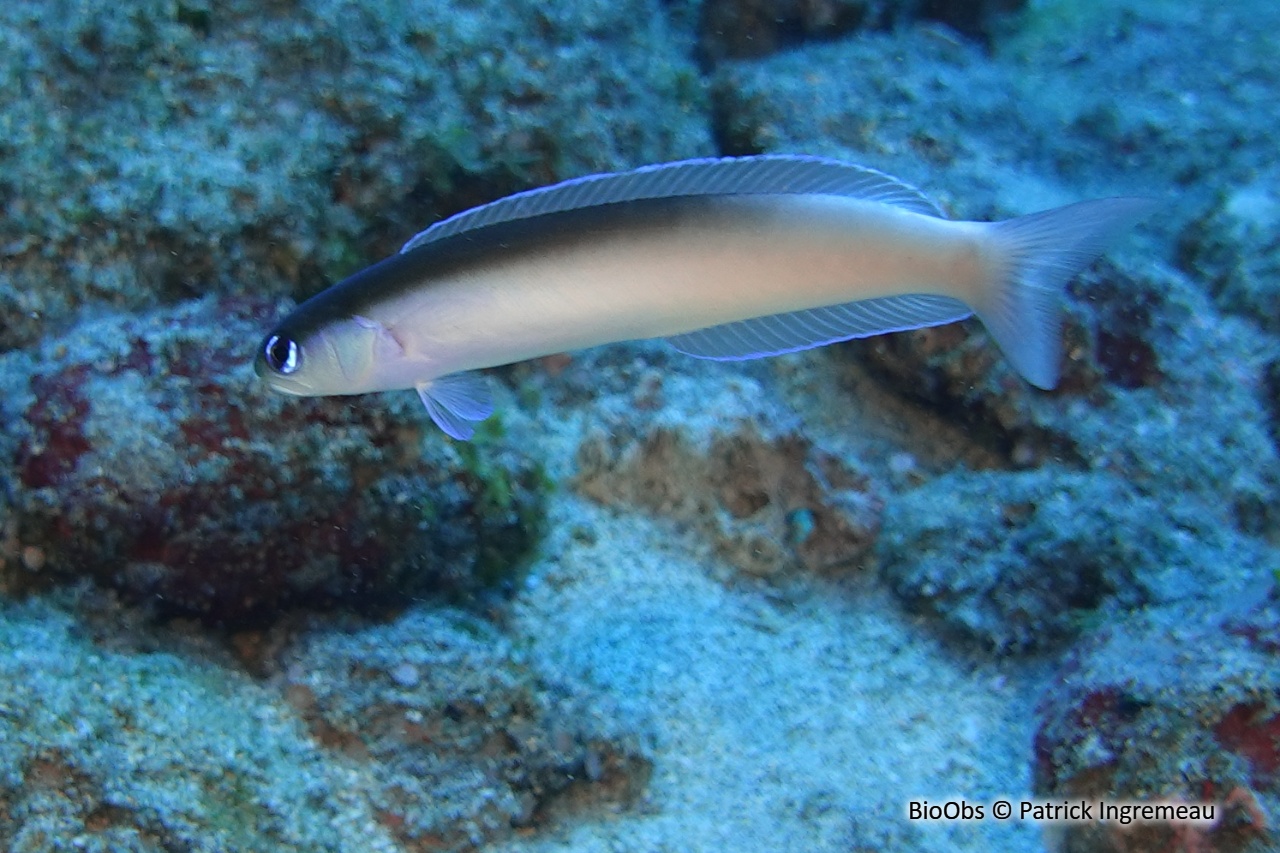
(658, 604)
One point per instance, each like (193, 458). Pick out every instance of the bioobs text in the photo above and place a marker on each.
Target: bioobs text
(949, 810)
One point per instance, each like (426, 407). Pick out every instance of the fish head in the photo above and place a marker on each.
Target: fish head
(338, 357)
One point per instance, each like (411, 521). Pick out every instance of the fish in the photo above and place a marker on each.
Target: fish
(725, 258)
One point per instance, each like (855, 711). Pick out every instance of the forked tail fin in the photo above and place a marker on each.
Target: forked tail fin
(1036, 256)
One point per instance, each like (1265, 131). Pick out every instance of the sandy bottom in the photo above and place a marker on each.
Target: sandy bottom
(796, 719)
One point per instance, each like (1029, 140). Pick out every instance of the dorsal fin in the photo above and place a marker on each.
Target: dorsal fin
(767, 173)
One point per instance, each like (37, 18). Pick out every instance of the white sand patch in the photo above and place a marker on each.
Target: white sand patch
(796, 721)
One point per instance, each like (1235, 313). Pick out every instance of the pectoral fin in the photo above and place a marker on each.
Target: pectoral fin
(456, 402)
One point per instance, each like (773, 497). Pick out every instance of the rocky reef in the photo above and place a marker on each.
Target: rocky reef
(178, 149)
(148, 457)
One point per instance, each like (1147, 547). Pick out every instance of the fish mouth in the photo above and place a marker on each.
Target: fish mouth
(281, 384)
(284, 385)
(292, 392)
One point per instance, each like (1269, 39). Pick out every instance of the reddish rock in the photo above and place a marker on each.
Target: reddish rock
(1170, 705)
(153, 460)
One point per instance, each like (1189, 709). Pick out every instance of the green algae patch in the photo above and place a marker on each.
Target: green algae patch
(512, 496)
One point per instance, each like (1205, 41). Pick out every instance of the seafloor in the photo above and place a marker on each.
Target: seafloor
(659, 604)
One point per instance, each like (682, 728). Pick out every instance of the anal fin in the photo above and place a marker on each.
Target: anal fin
(814, 327)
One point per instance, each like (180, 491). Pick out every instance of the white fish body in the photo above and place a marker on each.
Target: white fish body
(727, 259)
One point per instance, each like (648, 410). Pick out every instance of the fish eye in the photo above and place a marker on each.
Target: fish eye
(282, 354)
